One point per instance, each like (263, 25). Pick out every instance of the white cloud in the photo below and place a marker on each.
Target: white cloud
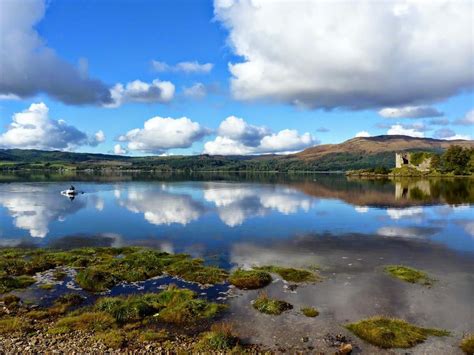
(138, 91)
(467, 120)
(410, 112)
(28, 67)
(185, 67)
(196, 91)
(160, 134)
(337, 54)
(33, 129)
(119, 150)
(363, 134)
(402, 130)
(449, 134)
(237, 137)
(99, 137)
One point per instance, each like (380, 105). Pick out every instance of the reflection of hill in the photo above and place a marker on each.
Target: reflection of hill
(396, 193)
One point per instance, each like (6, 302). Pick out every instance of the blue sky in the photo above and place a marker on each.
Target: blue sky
(293, 74)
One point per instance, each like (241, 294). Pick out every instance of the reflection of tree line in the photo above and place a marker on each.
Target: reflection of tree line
(452, 191)
(385, 192)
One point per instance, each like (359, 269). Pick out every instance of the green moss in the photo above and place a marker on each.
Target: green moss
(46, 286)
(10, 300)
(467, 344)
(391, 332)
(59, 275)
(114, 339)
(267, 305)
(95, 280)
(90, 321)
(194, 271)
(408, 274)
(309, 311)
(37, 314)
(250, 279)
(219, 339)
(291, 274)
(151, 335)
(10, 325)
(10, 283)
(56, 330)
(129, 309)
(172, 305)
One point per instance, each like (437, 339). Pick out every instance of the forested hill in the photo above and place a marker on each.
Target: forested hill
(357, 153)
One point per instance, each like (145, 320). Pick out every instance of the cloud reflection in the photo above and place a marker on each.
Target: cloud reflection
(34, 207)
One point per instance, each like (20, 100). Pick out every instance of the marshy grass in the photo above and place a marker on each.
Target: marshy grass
(9, 283)
(9, 325)
(467, 344)
(392, 333)
(250, 279)
(309, 311)
(99, 269)
(173, 305)
(114, 338)
(87, 321)
(194, 270)
(291, 274)
(47, 286)
(218, 339)
(408, 274)
(267, 305)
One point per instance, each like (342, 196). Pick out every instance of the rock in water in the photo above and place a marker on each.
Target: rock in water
(345, 349)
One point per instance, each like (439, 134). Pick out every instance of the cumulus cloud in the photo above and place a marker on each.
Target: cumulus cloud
(236, 137)
(33, 129)
(449, 134)
(138, 91)
(195, 91)
(410, 112)
(184, 67)
(467, 120)
(118, 149)
(405, 130)
(29, 67)
(363, 134)
(160, 134)
(336, 54)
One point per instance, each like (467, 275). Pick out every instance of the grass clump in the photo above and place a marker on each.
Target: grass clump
(194, 270)
(181, 306)
(392, 333)
(220, 338)
(309, 311)
(46, 287)
(10, 300)
(10, 283)
(267, 305)
(467, 344)
(151, 335)
(408, 274)
(250, 279)
(95, 280)
(173, 305)
(113, 338)
(95, 321)
(10, 325)
(291, 274)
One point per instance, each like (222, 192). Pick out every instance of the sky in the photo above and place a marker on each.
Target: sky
(172, 77)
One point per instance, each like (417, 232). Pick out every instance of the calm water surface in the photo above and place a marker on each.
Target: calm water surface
(208, 216)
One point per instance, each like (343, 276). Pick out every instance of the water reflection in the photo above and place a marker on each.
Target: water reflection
(202, 216)
(33, 207)
(159, 206)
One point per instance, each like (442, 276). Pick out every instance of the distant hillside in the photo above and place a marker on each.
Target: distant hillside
(357, 153)
(380, 144)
